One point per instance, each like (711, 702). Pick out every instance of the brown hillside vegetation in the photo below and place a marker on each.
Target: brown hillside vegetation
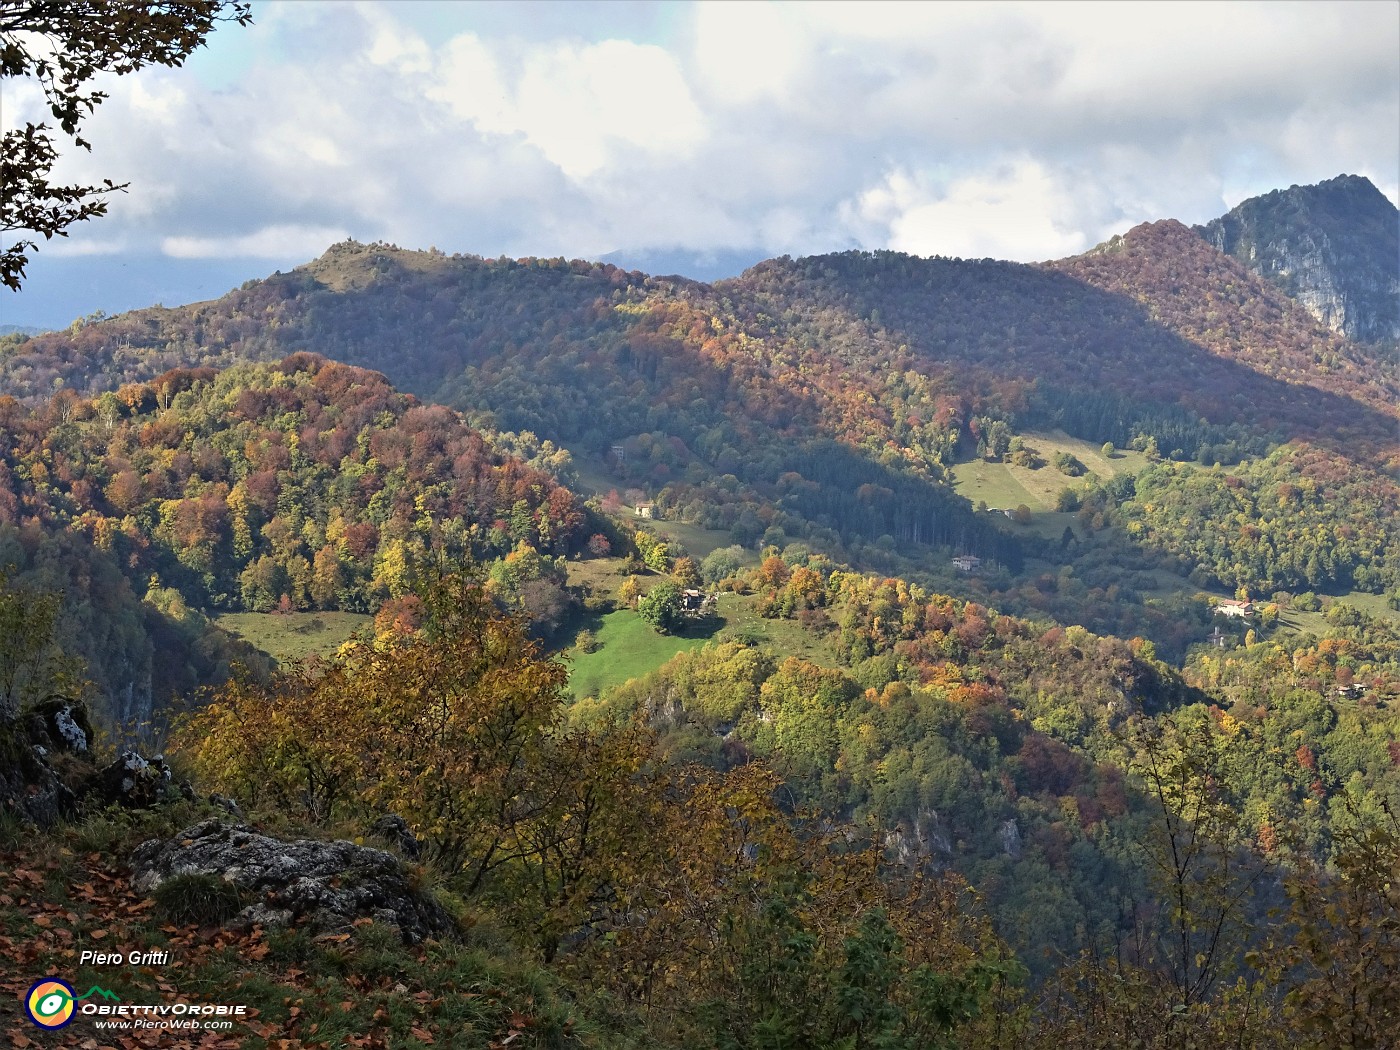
(1209, 298)
(821, 398)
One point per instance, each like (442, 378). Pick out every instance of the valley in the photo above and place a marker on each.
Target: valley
(910, 586)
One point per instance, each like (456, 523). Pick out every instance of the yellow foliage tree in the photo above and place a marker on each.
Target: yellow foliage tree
(445, 728)
(686, 889)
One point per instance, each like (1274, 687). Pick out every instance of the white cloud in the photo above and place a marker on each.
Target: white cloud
(393, 45)
(581, 106)
(157, 101)
(271, 242)
(752, 53)
(67, 248)
(1022, 130)
(1006, 213)
(20, 101)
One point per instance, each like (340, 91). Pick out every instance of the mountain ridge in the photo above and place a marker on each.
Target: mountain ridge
(824, 398)
(1333, 246)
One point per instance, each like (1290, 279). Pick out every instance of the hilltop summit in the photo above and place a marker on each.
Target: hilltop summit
(1334, 247)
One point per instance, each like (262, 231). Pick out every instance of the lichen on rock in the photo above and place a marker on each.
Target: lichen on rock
(327, 885)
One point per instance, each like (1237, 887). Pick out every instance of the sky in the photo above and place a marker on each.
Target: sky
(706, 135)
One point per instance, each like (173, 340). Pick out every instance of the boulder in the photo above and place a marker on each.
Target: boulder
(326, 885)
(60, 727)
(132, 781)
(29, 787)
(44, 755)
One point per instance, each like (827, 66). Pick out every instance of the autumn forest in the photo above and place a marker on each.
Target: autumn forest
(864, 651)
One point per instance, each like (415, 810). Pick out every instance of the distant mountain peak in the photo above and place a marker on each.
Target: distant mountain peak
(1333, 246)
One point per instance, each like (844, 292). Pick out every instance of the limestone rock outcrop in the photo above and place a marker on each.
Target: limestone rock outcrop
(327, 885)
(132, 781)
(44, 756)
(48, 769)
(1333, 247)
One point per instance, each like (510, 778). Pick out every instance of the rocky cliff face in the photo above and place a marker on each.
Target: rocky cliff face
(1334, 247)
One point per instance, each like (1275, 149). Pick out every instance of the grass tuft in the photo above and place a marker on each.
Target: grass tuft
(197, 900)
(13, 831)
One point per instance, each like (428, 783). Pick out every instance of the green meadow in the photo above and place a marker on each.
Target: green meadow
(628, 648)
(294, 636)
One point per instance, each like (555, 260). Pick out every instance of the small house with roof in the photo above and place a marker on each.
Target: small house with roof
(1236, 609)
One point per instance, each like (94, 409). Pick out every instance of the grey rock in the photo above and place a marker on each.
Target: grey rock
(233, 808)
(47, 767)
(1334, 247)
(920, 843)
(327, 885)
(60, 727)
(31, 790)
(31, 785)
(1011, 838)
(132, 781)
(68, 728)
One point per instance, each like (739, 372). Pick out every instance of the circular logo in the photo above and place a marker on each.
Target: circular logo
(50, 1003)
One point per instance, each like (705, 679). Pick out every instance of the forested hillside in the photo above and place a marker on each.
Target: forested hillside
(1327, 389)
(905, 762)
(1172, 339)
(1156, 317)
(304, 485)
(1300, 519)
(997, 747)
(684, 850)
(821, 399)
(589, 357)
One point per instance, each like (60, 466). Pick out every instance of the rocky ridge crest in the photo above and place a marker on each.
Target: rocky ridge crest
(1334, 247)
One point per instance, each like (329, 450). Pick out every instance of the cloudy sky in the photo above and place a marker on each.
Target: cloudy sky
(728, 131)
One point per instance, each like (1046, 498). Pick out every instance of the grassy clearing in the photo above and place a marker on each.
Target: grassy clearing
(1091, 455)
(628, 648)
(1316, 622)
(783, 637)
(698, 542)
(1044, 484)
(294, 636)
(991, 483)
(600, 576)
(593, 477)
(1005, 486)
(1371, 604)
(1050, 524)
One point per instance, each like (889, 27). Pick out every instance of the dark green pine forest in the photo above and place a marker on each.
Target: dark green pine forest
(865, 651)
